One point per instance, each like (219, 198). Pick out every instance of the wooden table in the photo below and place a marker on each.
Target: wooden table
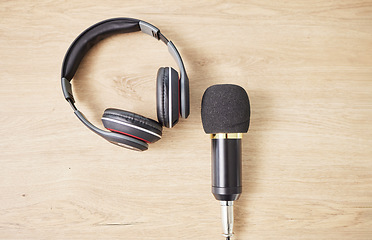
(306, 65)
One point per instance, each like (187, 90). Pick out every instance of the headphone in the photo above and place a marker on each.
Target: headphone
(128, 129)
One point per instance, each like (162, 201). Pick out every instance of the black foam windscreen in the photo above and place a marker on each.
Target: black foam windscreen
(225, 109)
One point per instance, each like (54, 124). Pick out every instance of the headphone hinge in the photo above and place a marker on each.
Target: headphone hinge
(149, 29)
(67, 90)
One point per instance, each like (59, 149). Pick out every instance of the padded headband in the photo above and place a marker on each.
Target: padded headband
(91, 36)
(99, 31)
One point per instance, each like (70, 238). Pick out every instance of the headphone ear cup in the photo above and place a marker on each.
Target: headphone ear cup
(167, 96)
(132, 125)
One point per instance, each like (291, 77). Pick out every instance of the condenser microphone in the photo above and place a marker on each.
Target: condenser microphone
(225, 113)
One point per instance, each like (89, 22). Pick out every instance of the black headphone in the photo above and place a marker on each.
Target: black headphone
(129, 129)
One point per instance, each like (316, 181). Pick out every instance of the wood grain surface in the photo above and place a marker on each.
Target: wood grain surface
(306, 65)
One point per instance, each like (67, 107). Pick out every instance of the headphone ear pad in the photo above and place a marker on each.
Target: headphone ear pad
(132, 125)
(167, 96)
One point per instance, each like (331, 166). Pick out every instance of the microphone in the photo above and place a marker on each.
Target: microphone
(225, 113)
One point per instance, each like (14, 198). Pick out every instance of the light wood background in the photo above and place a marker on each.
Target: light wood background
(306, 65)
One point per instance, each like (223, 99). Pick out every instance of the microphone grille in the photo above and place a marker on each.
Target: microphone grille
(225, 109)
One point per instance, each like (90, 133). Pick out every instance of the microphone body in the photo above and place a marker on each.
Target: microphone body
(226, 166)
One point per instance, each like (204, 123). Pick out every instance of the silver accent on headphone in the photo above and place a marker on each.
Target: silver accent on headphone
(125, 146)
(130, 125)
(170, 97)
(149, 29)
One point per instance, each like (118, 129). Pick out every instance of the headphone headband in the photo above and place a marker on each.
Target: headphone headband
(99, 31)
(91, 36)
